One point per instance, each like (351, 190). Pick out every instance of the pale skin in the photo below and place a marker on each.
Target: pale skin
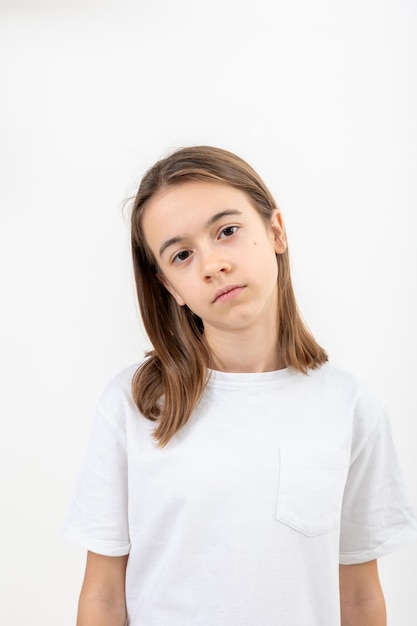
(223, 244)
(102, 598)
(216, 255)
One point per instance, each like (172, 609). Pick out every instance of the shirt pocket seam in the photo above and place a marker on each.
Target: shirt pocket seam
(303, 503)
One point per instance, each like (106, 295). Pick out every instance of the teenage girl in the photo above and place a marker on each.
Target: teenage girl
(233, 477)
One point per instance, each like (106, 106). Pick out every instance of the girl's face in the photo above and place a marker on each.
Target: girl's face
(216, 254)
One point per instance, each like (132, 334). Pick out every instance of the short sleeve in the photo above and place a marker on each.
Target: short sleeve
(376, 515)
(98, 515)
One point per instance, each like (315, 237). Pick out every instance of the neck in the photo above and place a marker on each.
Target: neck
(245, 351)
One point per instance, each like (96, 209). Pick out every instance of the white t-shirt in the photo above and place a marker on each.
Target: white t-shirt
(244, 517)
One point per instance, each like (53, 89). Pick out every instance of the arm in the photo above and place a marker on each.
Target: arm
(102, 598)
(361, 598)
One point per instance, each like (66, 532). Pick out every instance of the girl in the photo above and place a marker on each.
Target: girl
(233, 477)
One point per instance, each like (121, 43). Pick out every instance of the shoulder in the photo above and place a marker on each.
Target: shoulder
(116, 396)
(343, 382)
(364, 405)
(122, 379)
(121, 382)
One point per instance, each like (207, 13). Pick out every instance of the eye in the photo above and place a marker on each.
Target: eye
(181, 256)
(228, 231)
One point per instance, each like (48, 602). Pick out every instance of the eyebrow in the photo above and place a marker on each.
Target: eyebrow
(217, 216)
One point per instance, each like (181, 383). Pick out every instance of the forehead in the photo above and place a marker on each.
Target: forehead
(195, 197)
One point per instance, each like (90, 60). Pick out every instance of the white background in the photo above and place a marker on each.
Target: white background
(320, 97)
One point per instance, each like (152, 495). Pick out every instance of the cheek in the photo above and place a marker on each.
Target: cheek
(270, 265)
(173, 288)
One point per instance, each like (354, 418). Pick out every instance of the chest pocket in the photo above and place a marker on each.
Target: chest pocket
(310, 492)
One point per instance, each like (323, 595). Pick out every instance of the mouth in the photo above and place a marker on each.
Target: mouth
(228, 293)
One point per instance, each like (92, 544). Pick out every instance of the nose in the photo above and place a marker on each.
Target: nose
(213, 262)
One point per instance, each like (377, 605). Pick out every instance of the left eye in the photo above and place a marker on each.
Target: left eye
(228, 231)
(181, 256)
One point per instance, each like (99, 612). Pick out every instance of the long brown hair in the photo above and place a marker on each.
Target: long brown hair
(170, 382)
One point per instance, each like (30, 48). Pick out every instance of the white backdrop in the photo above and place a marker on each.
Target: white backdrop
(320, 97)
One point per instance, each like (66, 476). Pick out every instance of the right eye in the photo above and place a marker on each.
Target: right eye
(180, 257)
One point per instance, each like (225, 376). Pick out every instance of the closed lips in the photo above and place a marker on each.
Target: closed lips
(226, 290)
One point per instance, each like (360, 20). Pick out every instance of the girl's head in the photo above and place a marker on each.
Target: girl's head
(204, 164)
(177, 367)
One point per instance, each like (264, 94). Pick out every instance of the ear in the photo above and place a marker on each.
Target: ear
(277, 225)
(171, 290)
